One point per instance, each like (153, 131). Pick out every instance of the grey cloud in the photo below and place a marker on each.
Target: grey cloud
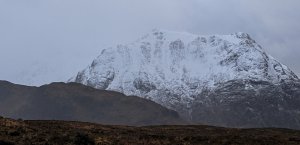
(60, 37)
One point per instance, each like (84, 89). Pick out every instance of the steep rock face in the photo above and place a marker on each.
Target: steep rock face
(174, 69)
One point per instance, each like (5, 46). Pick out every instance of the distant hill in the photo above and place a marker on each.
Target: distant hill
(77, 133)
(72, 101)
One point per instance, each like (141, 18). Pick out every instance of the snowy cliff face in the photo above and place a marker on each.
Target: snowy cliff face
(174, 68)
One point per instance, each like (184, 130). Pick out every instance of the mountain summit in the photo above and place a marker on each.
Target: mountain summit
(182, 71)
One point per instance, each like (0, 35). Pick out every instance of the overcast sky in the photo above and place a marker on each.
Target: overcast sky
(51, 40)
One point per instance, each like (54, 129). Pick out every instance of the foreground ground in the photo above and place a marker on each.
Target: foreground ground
(61, 132)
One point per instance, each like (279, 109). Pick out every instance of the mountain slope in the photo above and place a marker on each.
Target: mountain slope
(177, 69)
(248, 103)
(60, 101)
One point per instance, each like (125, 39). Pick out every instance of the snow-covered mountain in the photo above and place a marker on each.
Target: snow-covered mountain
(174, 68)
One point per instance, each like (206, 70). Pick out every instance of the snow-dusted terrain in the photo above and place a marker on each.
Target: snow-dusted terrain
(174, 68)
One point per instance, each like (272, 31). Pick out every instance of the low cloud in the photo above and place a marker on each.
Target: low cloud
(58, 38)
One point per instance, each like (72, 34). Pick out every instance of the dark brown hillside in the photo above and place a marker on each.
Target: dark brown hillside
(72, 101)
(78, 133)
